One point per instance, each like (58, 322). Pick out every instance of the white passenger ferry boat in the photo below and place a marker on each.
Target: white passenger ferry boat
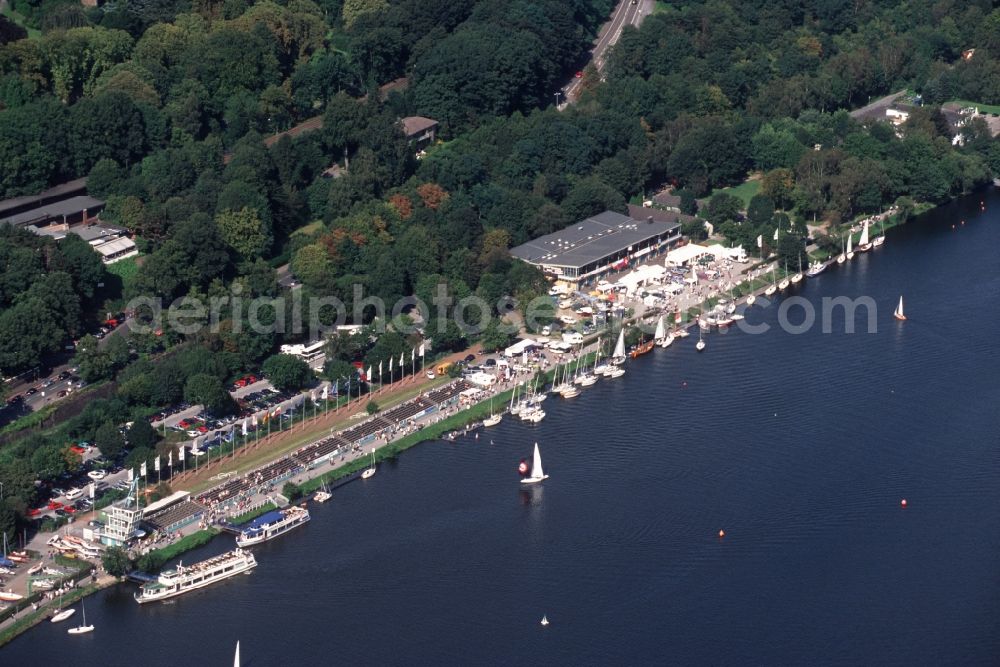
(183, 579)
(271, 525)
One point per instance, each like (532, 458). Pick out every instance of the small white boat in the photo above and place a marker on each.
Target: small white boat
(10, 597)
(751, 299)
(864, 245)
(545, 620)
(537, 474)
(815, 269)
(850, 252)
(880, 239)
(322, 496)
(602, 369)
(898, 313)
(615, 372)
(369, 471)
(569, 391)
(682, 333)
(35, 569)
(660, 336)
(618, 356)
(587, 380)
(667, 340)
(63, 615)
(83, 628)
(493, 420)
(536, 415)
(700, 345)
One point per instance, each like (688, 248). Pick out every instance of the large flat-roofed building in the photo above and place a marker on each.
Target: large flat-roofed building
(601, 243)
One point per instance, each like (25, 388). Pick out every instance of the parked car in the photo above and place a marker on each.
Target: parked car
(469, 358)
(31, 392)
(73, 494)
(430, 375)
(97, 474)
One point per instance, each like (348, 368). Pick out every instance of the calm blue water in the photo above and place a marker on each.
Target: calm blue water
(799, 446)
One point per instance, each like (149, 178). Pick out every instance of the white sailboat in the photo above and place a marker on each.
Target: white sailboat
(537, 474)
(880, 239)
(618, 356)
(236, 660)
(798, 276)
(784, 281)
(850, 240)
(700, 345)
(63, 614)
(898, 313)
(545, 619)
(773, 287)
(323, 494)
(842, 257)
(369, 471)
(494, 417)
(83, 628)
(661, 337)
(864, 245)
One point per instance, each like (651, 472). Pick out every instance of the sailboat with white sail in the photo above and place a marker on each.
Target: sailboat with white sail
(864, 245)
(850, 240)
(236, 660)
(898, 313)
(661, 337)
(537, 474)
(618, 356)
(567, 389)
(83, 628)
(784, 281)
(842, 257)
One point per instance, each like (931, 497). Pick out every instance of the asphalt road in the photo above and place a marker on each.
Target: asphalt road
(877, 108)
(625, 14)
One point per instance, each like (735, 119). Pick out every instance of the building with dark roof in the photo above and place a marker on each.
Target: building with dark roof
(601, 243)
(419, 131)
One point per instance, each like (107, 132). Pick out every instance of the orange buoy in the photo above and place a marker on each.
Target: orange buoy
(903, 502)
(722, 533)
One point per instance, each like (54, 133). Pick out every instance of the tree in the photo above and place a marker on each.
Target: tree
(287, 372)
(142, 434)
(245, 232)
(94, 363)
(207, 390)
(109, 440)
(115, 561)
(760, 211)
(371, 408)
(722, 207)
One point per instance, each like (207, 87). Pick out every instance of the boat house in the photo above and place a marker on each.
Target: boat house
(600, 244)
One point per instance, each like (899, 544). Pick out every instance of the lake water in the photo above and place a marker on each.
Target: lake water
(800, 447)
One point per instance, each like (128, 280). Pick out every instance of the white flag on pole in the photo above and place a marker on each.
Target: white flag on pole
(170, 459)
(421, 349)
(379, 371)
(326, 392)
(776, 233)
(142, 469)
(156, 463)
(760, 241)
(253, 421)
(413, 356)
(180, 454)
(368, 375)
(390, 365)
(91, 490)
(246, 427)
(402, 361)
(131, 474)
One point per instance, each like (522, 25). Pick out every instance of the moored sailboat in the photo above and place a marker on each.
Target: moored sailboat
(773, 287)
(850, 239)
(618, 356)
(864, 245)
(369, 471)
(83, 628)
(880, 239)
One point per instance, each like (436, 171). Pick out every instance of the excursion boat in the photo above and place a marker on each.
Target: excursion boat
(271, 525)
(815, 269)
(184, 579)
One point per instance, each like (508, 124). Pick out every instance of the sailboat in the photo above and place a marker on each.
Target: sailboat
(864, 245)
(494, 417)
(816, 268)
(898, 313)
(537, 474)
(369, 471)
(842, 257)
(588, 378)
(236, 660)
(545, 619)
(618, 356)
(773, 287)
(662, 338)
(798, 276)
(850, 239)
(784, 281)
(599, 368)
(700, 345)
(567, 389)
(323, 494)
(880, 239)
(63, 614)
(83, 628)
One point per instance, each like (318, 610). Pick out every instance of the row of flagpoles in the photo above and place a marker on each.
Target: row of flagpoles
(253, 424)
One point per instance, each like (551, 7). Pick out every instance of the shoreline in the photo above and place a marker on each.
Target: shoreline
(459, 420)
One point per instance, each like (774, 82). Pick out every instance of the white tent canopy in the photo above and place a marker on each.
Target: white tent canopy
(684, 254)
(641, 276)
(737, 253)
(520, 347)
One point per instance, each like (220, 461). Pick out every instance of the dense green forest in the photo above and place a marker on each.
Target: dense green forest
(146, 98)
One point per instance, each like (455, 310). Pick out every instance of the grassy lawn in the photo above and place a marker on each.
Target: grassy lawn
(309, 229)
(126, 269)
(662, 7)
(18, 19)
(744, 191)
(983, 108)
